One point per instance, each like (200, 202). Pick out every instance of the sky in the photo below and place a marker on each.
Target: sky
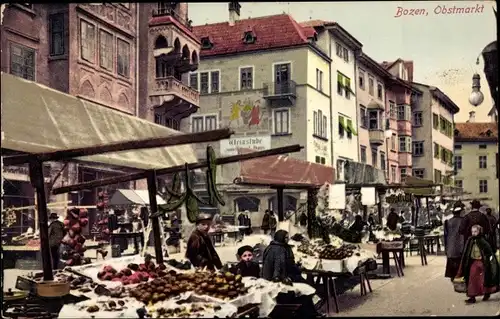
(444, 47)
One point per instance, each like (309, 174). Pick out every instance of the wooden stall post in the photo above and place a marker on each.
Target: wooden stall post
(37, 180)
(365, 213)
(312, 202)
(379, 208)
(428, 210)
(281, 208)
(155, 221)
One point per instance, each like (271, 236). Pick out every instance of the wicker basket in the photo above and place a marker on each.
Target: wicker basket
(52, 289)
(460, 286)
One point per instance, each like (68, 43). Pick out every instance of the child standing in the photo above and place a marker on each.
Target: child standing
(246, 267)
(479, 267)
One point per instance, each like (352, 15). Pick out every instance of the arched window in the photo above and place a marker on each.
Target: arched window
(247, 203)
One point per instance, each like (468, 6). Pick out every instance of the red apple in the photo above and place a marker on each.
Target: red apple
(76, 228)
(84, 221)
(83, 213)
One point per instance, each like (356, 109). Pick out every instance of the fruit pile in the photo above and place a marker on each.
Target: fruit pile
(221, 286)
(195, 310)
(333, 253)
(133, 273)
(306, 249)
(75, 220)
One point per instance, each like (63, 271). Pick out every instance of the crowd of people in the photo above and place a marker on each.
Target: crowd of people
(471, 246)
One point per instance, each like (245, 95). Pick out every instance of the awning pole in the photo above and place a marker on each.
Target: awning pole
(428, 211)
(37, 180)
(281, 209)
(153, 206)
(312, 202)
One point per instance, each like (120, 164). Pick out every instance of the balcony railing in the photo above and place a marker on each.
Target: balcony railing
(171, 86)
(167, 11)
(377, 137)
(284, 89)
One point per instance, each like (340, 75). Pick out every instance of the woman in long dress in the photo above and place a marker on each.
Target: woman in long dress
(479, 267)
(453, 241)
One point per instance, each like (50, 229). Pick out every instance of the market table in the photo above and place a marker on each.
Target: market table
(327, 279)
(134, 235)
(22, 257)
(430, 241)
(397, 250)
(218, 236)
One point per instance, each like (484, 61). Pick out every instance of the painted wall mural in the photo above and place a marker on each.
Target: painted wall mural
(245, 113)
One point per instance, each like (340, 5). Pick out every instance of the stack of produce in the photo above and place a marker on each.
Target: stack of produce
(75, 220)
(195, 310)
(222, 286)
(133, 273)
(333, 253)
(306, 249)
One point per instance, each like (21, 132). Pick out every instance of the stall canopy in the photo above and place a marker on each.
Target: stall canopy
(59, 121)
(123, 197)
(284, 170)
(415, 181)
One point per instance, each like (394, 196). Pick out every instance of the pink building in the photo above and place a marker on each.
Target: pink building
(399, 105)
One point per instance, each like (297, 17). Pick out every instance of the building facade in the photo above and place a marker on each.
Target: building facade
(168, 51)
(399, 98)
(271, 91)
(91, 51)
(373, 110)
(475, 151)
(343, 50)
(433, 137)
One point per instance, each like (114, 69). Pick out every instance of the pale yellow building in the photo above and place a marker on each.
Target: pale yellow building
(475, 156)
(272, 91)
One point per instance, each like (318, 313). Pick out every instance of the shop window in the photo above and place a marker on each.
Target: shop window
(247, 203)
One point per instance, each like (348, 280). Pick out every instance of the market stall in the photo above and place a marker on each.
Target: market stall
(88, 136)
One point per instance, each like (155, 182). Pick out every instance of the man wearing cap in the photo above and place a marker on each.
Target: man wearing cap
(200, 249)
(246, 267)
(56, 235)
(474, 217)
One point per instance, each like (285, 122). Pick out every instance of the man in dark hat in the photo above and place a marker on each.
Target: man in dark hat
(474, 217)
(200, 249)
(56, 235)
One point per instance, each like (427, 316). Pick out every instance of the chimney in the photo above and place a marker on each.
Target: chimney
(234, 12)
(472, 117)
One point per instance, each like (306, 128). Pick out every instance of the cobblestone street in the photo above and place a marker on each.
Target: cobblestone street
(423, 291)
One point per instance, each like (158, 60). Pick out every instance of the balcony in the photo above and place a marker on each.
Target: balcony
(377, 137)
(404, 128)
(184, 65)
(285, 91)
(163, 11)
(405, 159)
(174, 97)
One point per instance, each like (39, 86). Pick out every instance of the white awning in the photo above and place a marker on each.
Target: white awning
(129, 196)
(38, 119)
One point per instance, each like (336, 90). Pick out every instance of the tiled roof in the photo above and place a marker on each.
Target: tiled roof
(316, 23)
(476, 131)
(275, 31)
(408, 65)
